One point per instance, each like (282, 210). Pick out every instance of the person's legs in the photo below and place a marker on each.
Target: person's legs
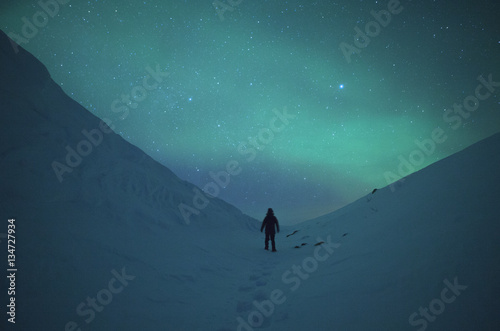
(267, 241)
(272, 242)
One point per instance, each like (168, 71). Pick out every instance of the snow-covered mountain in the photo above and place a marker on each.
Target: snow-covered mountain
(107, 247)
(86, 202)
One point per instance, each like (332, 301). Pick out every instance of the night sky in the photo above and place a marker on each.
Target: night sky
(314, 118)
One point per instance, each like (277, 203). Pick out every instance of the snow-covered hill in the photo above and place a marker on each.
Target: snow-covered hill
(86, 202)
(107, 248)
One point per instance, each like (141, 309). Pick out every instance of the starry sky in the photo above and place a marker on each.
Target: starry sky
(315, 113)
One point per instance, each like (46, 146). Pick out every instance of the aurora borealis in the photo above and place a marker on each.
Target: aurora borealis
(267, 84)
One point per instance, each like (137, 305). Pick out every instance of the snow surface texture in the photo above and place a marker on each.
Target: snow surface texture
(107, 249)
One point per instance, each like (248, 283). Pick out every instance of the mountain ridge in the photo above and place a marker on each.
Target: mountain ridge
(73, 155)
(108, 249)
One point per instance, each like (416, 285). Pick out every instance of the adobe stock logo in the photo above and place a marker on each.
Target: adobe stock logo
(454, 118)
(91, 306)
(94, 137)
(437, 306)
(39, 20)
(222, 178)
(222, 7)
(372, 29)
(293, 276)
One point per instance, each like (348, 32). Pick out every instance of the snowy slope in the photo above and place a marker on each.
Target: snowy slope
(116, 209)
(400, 248)
(107, 249)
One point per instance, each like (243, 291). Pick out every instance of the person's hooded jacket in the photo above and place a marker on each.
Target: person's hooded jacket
(270, 221)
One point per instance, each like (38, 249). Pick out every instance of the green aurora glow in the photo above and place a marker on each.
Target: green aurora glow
(226, 77)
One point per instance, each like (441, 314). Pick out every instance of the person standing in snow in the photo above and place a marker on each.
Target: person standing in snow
(269, 222)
